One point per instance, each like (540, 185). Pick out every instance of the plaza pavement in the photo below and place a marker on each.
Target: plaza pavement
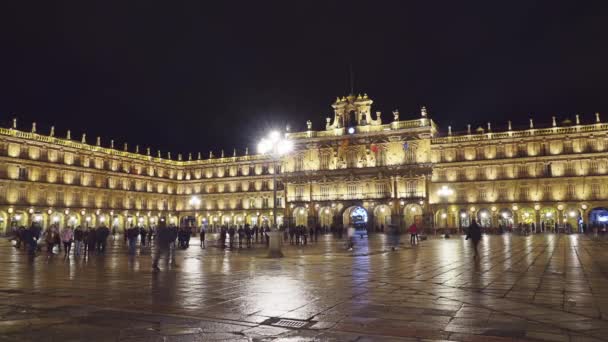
(537, 288)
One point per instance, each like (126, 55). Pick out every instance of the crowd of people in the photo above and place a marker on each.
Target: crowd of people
(85, 240)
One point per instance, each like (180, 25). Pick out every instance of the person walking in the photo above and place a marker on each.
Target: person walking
(231, 235)
(413, 234)
(350, 232)
(49, 238)
(78, 238)
(66, 237)
(241, 233)
(132, 234)
(164, 238)
(102, 235)
(143, 232)
(202, 236)
(474, 233)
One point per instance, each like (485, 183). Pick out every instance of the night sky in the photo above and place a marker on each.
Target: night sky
(191, 76)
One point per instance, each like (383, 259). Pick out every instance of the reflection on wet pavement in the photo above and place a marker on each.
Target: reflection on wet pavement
(543, 287)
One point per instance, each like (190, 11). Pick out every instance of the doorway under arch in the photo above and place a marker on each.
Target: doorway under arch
(382, 216)
(598, 216)
(355, 216)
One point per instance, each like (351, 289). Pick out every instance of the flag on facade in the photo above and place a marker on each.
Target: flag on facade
(374, 148)
(405, 145)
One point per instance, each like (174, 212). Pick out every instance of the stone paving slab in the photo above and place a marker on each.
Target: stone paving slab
(535, 288)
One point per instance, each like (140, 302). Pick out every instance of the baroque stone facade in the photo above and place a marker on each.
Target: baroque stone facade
(358, 170)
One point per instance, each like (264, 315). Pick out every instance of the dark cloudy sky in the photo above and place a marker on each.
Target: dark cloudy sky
(194, 76)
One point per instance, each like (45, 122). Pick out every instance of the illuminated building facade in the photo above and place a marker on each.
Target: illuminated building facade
(361, 169)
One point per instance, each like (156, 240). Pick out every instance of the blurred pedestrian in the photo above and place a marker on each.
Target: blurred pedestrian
(413, 234)
(164, 238)
(202, 236)
(78, 238)
(66, 237)
(474, 233)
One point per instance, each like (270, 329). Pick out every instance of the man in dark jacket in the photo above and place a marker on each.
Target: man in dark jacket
(102, 235)
(164, 238)
(474, 233)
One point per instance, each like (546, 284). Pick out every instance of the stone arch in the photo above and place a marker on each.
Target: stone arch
(326, 216)
(573, 217)
(382, 215)
(240, 219)
(548, 218)
(300, 216)
(464, 219)
(117, 222)
(355, 215)
(103, 219)
(484, 218)
(19, 218)
(441, 218)
(598, 216)
(505, 218)
(412, 213)
(526, 215)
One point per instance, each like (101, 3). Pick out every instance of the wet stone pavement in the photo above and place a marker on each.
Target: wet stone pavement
(535, 288)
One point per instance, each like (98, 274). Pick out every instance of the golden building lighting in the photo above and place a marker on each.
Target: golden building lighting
(361, 168)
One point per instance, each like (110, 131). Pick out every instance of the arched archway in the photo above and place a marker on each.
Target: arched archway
(484, 217)
(505, 218)
(355, 216)
(412, 213)
(382, 216)
(548, 218)
(598, 217)
(326, 216)
(574, 219)
(300, 216)
(441, 218)
(463, 218)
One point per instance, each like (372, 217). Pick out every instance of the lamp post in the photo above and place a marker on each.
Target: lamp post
(276, 147)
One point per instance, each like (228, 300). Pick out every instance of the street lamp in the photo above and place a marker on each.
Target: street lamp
(276, 147)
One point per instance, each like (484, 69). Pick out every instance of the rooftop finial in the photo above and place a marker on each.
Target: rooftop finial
(98, 142)
(222, 153)
(14, 123)
(597, 117)
(199, 156)
(553, 122)
(112, 143)
(210, 154)
(68, 135)
(578, 119)
(169, 155)
(509, 124)
(423, 112)
(449, 130)
(489, 127)
(179, 156)
(125, 146)
(246, 151)
(158, 154)
(469, 129)
(147, 151)
(234, 152)
(309, 125)
(396, 115)
(531, 123)
(189, 155)
(84, 138)
(33, 127)
(136, 148)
